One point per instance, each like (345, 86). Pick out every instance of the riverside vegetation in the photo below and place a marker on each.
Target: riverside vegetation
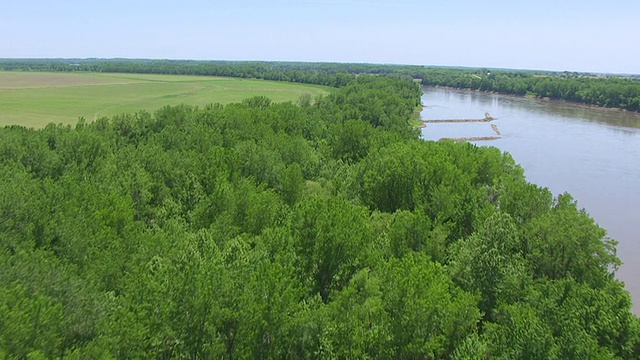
(611, 92)
(321, 229)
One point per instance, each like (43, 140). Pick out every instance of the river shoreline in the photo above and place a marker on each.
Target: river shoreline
(473, 138)
(585, 105)
(564, 147)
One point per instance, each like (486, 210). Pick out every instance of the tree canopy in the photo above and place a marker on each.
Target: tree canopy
(324, 229)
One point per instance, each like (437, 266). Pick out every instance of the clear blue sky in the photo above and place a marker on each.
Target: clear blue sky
(572, 35)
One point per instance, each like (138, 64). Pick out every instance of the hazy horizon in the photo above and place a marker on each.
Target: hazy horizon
(580, 36)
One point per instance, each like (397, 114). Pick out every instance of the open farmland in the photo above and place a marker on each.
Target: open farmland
(35, 99)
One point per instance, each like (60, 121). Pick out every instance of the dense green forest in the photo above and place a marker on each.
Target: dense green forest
(322, 229)
(606, 91)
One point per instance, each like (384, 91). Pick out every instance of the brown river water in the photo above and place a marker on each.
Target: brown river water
(591, 153)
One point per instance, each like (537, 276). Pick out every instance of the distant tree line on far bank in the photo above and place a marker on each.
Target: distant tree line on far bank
(613, 92)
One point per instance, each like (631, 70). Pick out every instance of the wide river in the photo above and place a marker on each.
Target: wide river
(593, 154)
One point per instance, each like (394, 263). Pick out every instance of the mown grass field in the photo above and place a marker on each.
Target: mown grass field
(35, 99)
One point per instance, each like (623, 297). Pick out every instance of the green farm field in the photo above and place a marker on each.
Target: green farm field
(35, 99)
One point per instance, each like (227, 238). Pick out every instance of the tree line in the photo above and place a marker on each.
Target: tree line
(329, 74)
(613, 92)
(605, 91)
(322, 229)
